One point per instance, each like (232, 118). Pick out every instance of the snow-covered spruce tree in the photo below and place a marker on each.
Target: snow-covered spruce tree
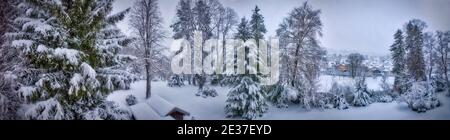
(361, 96)
(247, 99)
(243, 33)
(203, 23)
(398, 54)
(184, 27)
(421, 97)
(146, 20)
(10, 63)
(258, 29)
(301, 29)
(71, 47)
(414, 44)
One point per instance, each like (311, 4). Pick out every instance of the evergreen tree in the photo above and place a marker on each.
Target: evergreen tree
(414, 45)
(247, 98)
(243, 33)
(183, 27)
(243, 30)
(338, 93)
(175, 81)
(203, 23)
(398, 53)
(258, 29)
(71, 47)
(10, 64)
(361, 95)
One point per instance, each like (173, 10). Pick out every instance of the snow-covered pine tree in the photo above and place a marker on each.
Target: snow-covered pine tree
(184, 27)
(421, 97)
(258, 29)
(247, 99)
(71, 47)
(203, 23)
(361, 96)
(304, 52)
(243, 30)
(414, 45)
(398, 54)
(243, 33)
(10, 64)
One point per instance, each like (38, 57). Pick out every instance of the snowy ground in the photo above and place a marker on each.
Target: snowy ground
(213, 108)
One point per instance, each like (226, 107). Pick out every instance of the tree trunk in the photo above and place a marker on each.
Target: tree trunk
(148, 92)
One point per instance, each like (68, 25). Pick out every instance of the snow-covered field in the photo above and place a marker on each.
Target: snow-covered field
(213, 108)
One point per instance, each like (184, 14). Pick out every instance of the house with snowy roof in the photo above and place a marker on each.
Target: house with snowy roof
(157, 108)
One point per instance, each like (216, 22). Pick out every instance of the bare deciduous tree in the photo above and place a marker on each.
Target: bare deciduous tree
(146, 20)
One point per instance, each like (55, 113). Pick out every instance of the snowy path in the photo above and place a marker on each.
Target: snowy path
(213, 108)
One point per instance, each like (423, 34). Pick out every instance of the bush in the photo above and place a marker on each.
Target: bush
(338, 99)
(281, 94)
(207, 92)
(131, 100)
(421, 97)
(361, 95)
(175, 81)
(381, 96)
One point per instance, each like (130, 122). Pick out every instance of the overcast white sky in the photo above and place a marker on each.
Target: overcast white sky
(365, 26)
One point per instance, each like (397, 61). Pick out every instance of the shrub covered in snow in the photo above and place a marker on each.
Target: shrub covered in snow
(207, 92)
(385, 94)
(131, 100)
(230, 80)
(421, 97)
(338, 96)
(246, 100)
(381, 96)
(361, 94)
(175, 81)
(281, 95)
